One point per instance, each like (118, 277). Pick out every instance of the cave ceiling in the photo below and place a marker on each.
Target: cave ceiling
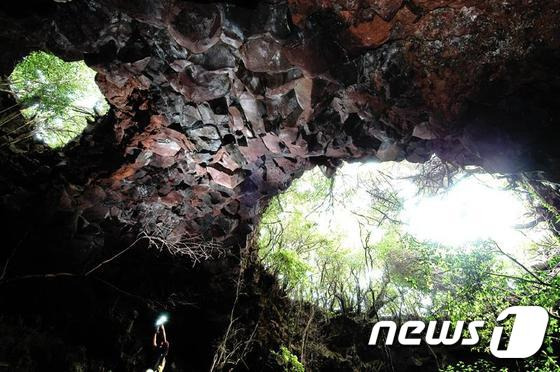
(218, 106)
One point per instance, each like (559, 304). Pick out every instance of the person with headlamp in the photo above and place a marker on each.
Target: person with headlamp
(160, 345)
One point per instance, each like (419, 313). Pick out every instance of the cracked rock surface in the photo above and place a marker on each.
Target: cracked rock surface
(216, 107)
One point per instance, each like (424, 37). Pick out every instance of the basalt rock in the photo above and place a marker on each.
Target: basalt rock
(242, 99)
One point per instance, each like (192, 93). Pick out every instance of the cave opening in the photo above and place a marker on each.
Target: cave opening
(401, 240)
(55, 99)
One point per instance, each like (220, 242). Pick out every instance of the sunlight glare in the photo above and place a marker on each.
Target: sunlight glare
(470, 211)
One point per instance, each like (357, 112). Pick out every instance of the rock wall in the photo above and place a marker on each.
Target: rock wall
(218, 106)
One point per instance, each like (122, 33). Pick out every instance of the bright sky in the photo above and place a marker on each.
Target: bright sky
(87, 97)
(476, 208)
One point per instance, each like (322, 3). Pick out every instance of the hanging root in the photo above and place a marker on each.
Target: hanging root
(194, 248)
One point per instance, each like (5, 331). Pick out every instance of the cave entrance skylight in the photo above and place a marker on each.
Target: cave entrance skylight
(56, 98)
(402, 239)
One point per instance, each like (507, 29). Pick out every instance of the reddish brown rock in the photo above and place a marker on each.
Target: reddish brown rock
(254, 111)
(386, 9)
(222, 178)
(264, 54)
(371, 33)
(200, 86)
(273, 143)
(222, 104)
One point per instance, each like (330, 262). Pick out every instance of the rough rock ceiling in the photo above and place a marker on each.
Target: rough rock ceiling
(218, 106)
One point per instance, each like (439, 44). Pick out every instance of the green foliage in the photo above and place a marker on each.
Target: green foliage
(546, 361)
(397, 275)
(57, 96)
(290, 243)
(547, 364)
(291, 269)
(479, 365)
(408, 262)
(288, 361)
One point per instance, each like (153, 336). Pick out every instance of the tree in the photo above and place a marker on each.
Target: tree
(57, 97)
(397, 276)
